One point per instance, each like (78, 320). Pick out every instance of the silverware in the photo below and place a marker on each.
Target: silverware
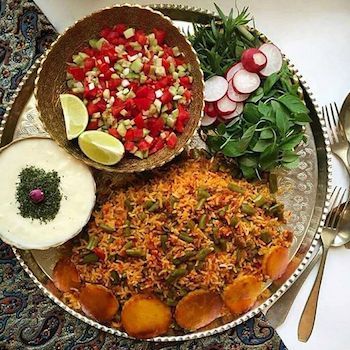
(337, 136)
(328, 234)
(278, 312)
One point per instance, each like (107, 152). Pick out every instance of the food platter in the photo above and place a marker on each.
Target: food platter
(305, 195)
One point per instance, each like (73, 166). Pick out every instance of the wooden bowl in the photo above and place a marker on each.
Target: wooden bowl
(51, 81)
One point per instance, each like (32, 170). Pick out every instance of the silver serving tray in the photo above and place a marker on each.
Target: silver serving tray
(306, 192)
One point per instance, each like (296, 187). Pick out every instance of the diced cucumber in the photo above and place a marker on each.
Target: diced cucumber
(126, 122)
(136, 46)
(126, 91)
(164, 108)
(118, 67)
(121, 129)
(145, 154)
(152, 109)
(158, 62)
(181, 68)
(152, 70)
(143, 78)
(160, 71)
(129, 33)
(136, 66)
(158, 104)
(176, 51)
(139, 154)
(70, 83)
(175, 75)
(180, 90)
(93, 43)
(173, 90)
(131, 94)
(114, 76)
(181, 74)
(170, 121)
(132, 75)
(175, 113)
(172, 68)
(78, 90)
(123, 112)
(97, 43)
(177, 97)
(145, 132)
(160, 53)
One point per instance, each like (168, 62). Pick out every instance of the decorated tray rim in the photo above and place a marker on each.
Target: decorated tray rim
(273, 298)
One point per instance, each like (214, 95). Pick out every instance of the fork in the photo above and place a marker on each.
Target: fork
(337, 136)
(330, 230)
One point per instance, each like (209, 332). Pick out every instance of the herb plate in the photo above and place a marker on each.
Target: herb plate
(306, 188)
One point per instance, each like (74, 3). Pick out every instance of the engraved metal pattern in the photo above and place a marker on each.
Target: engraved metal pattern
(302, 182)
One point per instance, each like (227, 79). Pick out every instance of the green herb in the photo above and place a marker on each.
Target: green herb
(272, 123)
(90, 258)
(49, 182)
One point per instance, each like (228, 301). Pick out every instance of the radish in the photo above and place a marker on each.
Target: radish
(235, 96)
(274, 59)
(210, 109)
(206, 120)
(225, 105)
(253, 60)
(233, 70)
(245, 82)
(235, 113)
(215, 88)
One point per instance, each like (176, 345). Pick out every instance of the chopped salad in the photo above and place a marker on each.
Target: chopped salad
(135, 87)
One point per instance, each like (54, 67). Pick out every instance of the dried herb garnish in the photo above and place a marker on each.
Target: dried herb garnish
(31, 178)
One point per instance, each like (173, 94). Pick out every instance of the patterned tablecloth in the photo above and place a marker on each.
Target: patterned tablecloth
(28, 319)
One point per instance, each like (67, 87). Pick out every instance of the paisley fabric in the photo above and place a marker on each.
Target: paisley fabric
(28, 319)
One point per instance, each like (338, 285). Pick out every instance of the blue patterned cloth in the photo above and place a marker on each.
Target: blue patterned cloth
(28, 319)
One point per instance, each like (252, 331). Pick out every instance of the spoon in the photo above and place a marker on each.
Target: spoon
(278, 312)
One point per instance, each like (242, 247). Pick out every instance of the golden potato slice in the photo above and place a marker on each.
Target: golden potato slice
(98, 302)
(145, 316)
(242, 293)
(66, 276)
(275, 262)
(198, 308)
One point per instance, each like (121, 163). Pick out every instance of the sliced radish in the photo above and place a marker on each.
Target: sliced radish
(253, 60)
(206, 120)
(235, 113)
(225, 105)
(233, 70)
(245, 82)
(210, 109)
(274, 59)
(234, 95)
(215, 88)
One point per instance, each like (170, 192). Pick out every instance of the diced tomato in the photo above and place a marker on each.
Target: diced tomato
(101, 105)
(143, 145)
(122, 41)
(77, 72)
(112, 35)
(92, 108)
(129, 145)
(139, 122)
(138, 134)
(89, 51)
(129, 136)
(133, 86)
(160, 35)
(157, 145)
(188, 95)
(165, 64)
(141, 37)
(113, 84)
(167, 97)
(146, 68)
(172, 140)
(105, 32)
(90, 94)
(114, 132)
(100, 253)
(104, 67)
(116, 110)
(93, 125)
(185, 82)
(182, 119)
(89, 63)
(179, 61)
(162, 83)
(155, 125)
(120, 28)
(146, 91)
(106, 76)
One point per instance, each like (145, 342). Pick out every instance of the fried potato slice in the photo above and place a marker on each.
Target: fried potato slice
(66, 275)
(98, 302)
(241, 294)
(275, 262)
(198, 308)
(145, 316)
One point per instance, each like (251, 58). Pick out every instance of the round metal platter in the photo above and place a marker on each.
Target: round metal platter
(305, 195)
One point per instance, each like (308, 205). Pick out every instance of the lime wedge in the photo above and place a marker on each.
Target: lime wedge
(101, 147)
(75, 114)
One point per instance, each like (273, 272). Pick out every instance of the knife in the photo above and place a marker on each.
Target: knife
(344, 118)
